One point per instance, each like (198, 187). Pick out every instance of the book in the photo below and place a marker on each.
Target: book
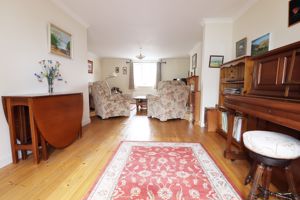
(224, 122)
(237, 128)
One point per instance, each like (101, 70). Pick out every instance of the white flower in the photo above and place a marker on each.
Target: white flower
(163, 174)
(182, 174)
(165, 193)
(172, 154)
(194, 194)
(142, 160)
(151, 153)
(162, 160)
(182, 161)
(144, 173)
(135, 191)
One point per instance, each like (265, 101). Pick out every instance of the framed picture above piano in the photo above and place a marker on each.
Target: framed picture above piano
(260, 45)
(241, 47)
(294, 12)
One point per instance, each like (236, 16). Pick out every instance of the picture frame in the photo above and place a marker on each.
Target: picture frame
(124, 69)
(294, 12)
(241, 47)
(90, 66)
(194, 61)
(60, 41)
(117, 70)
(260, 45)
(215, 61)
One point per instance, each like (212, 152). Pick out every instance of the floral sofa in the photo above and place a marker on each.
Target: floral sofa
(108, 104)
(170, 103)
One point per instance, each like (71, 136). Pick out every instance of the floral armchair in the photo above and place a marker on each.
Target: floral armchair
(170, 102)
(107, 104)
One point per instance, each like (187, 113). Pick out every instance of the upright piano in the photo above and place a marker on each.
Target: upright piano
(273, 102)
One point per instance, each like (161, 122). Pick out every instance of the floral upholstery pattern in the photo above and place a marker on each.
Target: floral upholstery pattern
(107, 104)
(272, 144)
(170, 103)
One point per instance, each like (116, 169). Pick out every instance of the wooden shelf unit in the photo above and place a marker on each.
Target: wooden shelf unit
(194, 98)
(235, 74)
(235, 79)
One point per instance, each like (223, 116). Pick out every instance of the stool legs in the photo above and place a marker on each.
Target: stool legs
(291, 183)
(251, 172)
(266, 182)
(258, 174)
(265, 173)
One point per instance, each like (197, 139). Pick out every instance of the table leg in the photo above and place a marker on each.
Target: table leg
(22, 130)
(34, 138)
(44, 147)
(137, 105)
(11, 123)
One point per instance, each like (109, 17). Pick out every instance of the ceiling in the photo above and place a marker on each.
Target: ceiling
(162, 28)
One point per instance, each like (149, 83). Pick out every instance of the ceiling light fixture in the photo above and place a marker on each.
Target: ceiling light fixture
(140, 56)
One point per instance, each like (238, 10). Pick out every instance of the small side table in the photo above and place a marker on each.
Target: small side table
(141, 102)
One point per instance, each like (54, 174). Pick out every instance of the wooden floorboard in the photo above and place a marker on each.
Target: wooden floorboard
(70, 172)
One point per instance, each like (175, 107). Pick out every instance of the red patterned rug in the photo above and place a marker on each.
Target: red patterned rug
(162, 171)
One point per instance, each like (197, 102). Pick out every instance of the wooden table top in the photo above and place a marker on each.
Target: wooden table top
(140, 97)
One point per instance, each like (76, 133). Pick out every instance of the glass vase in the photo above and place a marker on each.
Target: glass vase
(50, 86)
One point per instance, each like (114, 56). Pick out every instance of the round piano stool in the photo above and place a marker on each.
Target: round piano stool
(270, 149)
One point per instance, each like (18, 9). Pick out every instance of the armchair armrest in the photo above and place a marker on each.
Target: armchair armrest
(119, 97)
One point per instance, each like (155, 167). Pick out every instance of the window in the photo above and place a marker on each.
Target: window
(144, 74)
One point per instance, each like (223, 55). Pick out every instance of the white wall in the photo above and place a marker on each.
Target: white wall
(96, 75)
(23, 44)
(175, 68)
(266, 16)
(122, 80)
(217, 40)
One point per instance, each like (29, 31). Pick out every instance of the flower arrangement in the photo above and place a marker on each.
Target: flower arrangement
(50, 72)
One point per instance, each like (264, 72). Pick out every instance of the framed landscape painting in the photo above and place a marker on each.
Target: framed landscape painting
(194, 61)
(60, 41)
(260, 45)
(241, 47)
(215, 61)
(117, 69)
(124, 70)
(90, 66)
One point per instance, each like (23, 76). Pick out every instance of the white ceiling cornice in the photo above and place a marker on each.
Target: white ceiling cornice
(216, 20)
(69, 12)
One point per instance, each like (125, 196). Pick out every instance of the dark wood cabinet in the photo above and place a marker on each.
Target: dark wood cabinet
(277, 73)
